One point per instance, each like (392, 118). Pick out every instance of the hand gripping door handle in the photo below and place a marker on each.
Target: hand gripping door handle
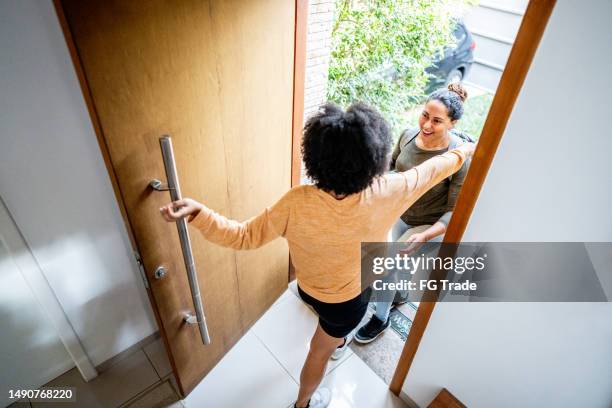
(175, 193)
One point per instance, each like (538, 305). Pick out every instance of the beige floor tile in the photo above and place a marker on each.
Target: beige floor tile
(355, 385)
(157, 354)
(159, 396)
(121, 382)
(248, 376)
(286, 330)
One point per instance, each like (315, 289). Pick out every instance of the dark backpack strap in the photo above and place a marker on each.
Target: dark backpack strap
(413, 134)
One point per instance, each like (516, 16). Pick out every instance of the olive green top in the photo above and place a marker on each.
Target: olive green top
(436, 204)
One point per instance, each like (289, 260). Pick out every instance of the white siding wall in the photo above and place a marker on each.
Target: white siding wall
(493, 24)
(551, 180)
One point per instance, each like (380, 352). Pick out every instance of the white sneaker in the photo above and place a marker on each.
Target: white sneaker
(320, 399)
(339, 352)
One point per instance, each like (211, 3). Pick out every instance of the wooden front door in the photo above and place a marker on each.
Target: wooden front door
(217, 76)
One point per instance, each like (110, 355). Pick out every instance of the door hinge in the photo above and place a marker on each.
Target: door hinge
(141, 268)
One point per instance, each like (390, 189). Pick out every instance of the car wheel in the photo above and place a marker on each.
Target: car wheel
(454, 76)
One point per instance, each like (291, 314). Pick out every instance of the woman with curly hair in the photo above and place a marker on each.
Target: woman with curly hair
(346, 155)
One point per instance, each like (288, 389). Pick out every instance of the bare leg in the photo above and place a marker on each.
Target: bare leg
(322, 346)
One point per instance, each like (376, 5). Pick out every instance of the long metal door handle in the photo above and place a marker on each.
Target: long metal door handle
(175, 193)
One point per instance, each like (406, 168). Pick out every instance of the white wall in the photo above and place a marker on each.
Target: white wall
(493, 25)
(32, 352)
(54, 183)
(551, 180)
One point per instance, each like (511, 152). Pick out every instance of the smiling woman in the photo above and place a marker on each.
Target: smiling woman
(435, 135)
(428, 217)
(443, 109)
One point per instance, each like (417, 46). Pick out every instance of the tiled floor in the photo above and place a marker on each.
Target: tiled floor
(277, 346)
(261, 370)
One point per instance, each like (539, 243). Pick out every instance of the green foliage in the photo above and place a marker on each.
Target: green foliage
(380, 49)
(475, 111)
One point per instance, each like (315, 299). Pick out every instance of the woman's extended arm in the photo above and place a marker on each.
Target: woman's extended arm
(429, 173)
(250, 234)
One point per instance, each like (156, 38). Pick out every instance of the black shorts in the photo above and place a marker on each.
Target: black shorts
(339, 319)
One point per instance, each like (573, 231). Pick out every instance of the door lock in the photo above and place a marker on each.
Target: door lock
(160, 272)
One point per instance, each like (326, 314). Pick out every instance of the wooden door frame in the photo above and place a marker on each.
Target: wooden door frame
(299, 81)
(527, 40)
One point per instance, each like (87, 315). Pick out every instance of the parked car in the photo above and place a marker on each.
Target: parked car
(455, 64)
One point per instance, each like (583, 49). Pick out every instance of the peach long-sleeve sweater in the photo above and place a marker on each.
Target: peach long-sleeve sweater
(325, 234)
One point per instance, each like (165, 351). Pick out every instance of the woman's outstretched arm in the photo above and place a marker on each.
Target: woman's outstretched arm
(431, 172)
(250, 234)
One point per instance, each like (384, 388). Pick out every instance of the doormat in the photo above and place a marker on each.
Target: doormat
(400, 323)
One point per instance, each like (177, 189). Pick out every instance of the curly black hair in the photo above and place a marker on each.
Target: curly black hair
(344, 151)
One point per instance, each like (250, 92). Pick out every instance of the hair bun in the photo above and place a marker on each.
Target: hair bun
(457, 88)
